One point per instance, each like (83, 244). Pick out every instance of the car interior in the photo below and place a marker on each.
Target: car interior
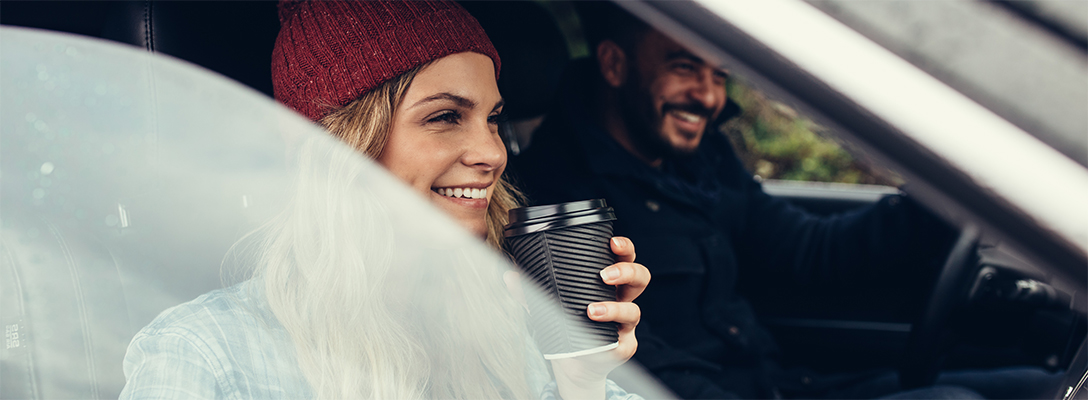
(1012, 316)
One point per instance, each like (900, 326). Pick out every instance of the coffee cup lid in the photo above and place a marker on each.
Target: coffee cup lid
(529, 213)
(526, 220)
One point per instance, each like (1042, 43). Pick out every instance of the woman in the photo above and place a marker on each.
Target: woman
(329, 313)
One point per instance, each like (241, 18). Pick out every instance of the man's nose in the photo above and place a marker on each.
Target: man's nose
(708, 91)
(485, 150)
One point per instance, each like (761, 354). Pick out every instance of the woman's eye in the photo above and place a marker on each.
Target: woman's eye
(449, 117)
(496, 119)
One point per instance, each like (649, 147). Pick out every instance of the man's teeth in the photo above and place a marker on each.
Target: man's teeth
(688, 117)
(467, 193)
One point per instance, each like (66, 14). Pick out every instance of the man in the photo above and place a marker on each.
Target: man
(638, 128)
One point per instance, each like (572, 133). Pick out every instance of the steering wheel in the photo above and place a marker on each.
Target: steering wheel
(928, 338)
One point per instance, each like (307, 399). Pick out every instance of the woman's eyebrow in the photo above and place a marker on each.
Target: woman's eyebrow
(458, 100)
(499, 105)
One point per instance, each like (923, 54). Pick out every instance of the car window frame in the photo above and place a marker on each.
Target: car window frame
(947, 188)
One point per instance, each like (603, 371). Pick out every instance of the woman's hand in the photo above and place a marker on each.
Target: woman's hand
(584, 377)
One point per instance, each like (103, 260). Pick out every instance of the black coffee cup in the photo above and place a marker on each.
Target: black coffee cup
(562, 248)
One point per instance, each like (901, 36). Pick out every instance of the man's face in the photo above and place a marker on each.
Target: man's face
(670, 97)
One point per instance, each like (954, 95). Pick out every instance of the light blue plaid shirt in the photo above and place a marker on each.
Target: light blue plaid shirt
(226, 344)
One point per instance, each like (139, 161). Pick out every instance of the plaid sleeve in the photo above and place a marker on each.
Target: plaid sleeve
(612, 391)
(550, 391)
(171, 366)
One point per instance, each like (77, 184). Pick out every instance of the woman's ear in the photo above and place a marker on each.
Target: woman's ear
(613, 63)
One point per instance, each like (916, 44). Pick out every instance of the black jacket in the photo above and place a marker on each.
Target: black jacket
(695, 222)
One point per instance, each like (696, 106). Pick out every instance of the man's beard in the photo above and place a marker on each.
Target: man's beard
(644, 123)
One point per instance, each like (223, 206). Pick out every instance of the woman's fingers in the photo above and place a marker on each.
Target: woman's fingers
(626, 314)
(631, 279)
(623, 248)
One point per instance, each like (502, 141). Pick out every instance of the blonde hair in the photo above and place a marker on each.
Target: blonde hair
(365, 123)
(366, 319)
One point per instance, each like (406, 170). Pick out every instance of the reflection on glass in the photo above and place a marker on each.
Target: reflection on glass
(174, 183)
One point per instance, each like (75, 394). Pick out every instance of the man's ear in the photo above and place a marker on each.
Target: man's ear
(613, 62)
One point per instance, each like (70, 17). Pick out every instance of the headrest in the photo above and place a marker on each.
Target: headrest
(233, 38)
(533, 52)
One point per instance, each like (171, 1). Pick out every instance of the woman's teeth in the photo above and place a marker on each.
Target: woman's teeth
(463, 193)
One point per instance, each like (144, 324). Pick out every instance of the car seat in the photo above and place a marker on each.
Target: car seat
(233, 38)
(533, 52)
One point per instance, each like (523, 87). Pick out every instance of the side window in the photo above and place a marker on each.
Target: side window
(775, 142)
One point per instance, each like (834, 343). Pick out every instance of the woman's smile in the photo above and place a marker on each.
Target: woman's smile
(467, 195)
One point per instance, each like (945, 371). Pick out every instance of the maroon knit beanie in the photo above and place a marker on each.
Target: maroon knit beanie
(329, 53)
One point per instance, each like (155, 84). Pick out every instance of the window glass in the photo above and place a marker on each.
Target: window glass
(134, 183)
(774, 141)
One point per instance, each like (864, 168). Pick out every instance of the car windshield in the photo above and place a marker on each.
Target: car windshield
(133, 182)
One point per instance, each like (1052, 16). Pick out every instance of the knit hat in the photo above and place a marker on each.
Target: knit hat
(329, 53)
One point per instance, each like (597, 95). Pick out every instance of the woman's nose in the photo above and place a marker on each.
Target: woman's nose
(486, 150)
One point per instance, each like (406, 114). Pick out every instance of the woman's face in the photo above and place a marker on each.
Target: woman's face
(445, 141)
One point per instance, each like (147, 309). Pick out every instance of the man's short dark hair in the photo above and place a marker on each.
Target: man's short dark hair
(604, 20)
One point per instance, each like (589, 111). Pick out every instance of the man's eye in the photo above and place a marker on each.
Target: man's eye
(684, 67)
(449, 117)
(720, 77)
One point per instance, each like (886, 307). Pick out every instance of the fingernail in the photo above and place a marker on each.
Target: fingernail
(597, 310)
(609, 274)
(617, 242)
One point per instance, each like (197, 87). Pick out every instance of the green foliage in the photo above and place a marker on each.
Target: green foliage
(569, 24)
(774, 142)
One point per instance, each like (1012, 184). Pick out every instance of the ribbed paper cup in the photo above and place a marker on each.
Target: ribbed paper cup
(562, 248)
